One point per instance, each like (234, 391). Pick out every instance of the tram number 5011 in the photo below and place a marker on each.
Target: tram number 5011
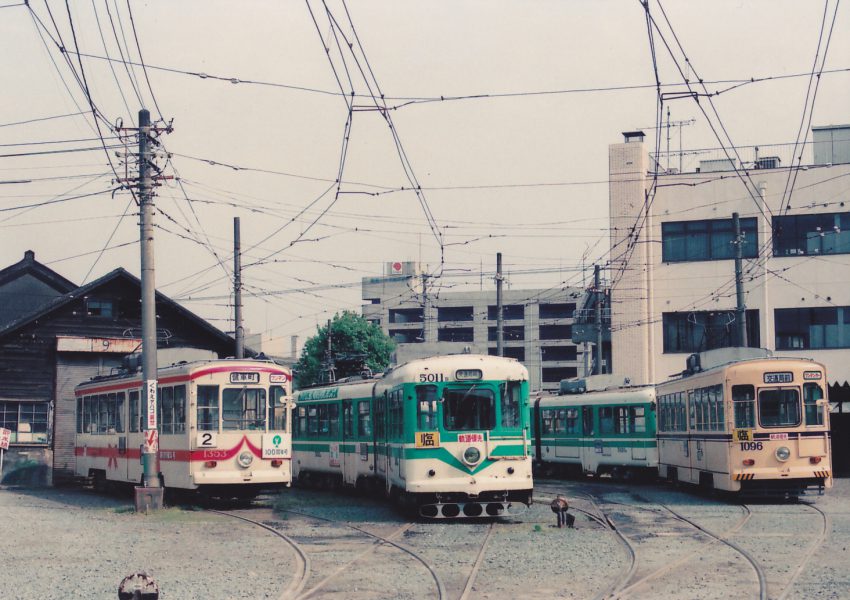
(431, 377)
(752, 446)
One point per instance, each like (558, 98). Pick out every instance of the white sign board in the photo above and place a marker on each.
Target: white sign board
(5, 436)
(150, 394)
(277, 445)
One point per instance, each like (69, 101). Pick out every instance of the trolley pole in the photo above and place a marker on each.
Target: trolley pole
(150, 494)
(740, 309)
(239, 332)
(500, 329)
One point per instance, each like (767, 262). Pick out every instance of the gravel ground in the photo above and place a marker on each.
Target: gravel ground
(75, 544)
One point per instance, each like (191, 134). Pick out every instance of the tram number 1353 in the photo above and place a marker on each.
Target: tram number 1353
(752, 446)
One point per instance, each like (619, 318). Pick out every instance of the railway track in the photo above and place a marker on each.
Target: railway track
(381, 540)
(814, 547)
(297, 585)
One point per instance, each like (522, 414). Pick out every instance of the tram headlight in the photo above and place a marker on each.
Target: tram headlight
(783, 453)
(471, 455)
(245, 459)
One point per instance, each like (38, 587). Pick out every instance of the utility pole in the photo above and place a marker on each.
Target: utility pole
(150, 494)
(330, 368)
(239, 332)
(598, 293)
(500, 329)
(740, 309)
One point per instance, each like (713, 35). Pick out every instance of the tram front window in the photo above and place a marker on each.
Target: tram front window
(207, 408)
(243, 408)
(779, 407)
(466, 409)
(812, 392)
(743, 401)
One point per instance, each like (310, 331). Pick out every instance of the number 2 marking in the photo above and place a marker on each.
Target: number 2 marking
(206, 439)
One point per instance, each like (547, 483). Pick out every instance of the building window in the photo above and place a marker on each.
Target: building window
(825, 233)
(517, 352)
(99, 308)
(706, 240)
(407, 336)
(509, 312)
(26, 420)
(563, 310)
(556, 374)
(812, 328)
(406, 315)
(558, 353)
(512, 333)
(455, 313)
(455, 334)
(707, 330)
(556, 332)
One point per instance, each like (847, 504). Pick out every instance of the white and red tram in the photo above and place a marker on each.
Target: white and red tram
(223, 427)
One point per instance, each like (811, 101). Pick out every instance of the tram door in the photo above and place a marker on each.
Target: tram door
(589, 458)
(348, 450)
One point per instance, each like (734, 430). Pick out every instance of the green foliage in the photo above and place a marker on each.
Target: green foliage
(355, 342)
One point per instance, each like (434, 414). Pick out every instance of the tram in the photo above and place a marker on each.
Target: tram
(223, 427)
(752, 426)
(599, 432)
(445, 436)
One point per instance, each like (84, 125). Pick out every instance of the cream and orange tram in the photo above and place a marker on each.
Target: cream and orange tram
(757, 426)
(223, 427)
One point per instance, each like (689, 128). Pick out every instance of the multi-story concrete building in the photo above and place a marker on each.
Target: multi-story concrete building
(424, 321)
(673, 247)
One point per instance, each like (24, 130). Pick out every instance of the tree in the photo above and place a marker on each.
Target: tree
(356, 344)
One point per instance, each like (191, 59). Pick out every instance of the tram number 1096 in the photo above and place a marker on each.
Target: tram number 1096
(752, 446)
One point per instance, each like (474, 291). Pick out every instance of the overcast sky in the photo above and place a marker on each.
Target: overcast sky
(518, 164)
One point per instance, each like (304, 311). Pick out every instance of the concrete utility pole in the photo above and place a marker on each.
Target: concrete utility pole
(740, 309)
(500, 329)
(150, 494)
(329, 358)
(239, 332)
(599, 296)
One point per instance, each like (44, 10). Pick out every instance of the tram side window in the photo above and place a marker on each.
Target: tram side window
(243, 408)
(333, 420)
(606, 420)
(691, 409)
(380, 416)
(743, 402)
(119, 412)
(631, 419)
(812, 392)
(426, 402)
(779, 407)
(80, 415)
(165, 406)
(135, 419)
(364, 421)
(560, 424)
(510, 394)
(347, 419)
(572, 422)
(207, 408)
(180, 409)
(89, 416)
(312, 420)
(301, 415)
(396, 414)
(546, 418)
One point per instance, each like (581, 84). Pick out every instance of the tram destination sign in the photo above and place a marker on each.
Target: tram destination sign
(245, 377)
(781, 377)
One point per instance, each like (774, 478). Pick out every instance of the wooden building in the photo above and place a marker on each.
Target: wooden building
(68, 335)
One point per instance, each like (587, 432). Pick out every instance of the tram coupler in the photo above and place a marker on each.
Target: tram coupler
(149, 498)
